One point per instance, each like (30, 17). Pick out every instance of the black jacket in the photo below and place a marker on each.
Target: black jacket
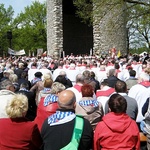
(31, 113)
(112, 81)
(57, 136)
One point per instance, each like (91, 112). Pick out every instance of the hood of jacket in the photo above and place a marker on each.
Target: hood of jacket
(90, 108)
(117, 122)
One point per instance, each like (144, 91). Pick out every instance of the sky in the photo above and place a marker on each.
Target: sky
(18, 5)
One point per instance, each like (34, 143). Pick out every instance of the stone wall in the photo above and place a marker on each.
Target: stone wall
(54, 28)
(110, 30)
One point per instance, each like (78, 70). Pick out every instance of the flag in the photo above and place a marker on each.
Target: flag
(119, 54)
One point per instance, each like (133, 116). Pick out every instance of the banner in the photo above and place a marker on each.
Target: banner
(39, 52)
(17, 53)
(11, 52)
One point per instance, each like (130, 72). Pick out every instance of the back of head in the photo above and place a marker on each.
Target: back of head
(102, 68)
(87, 74)
(18, 106)
(117, 66)
(13, 78)
(57, 87)
(104, 82)
(61, 79)
(63, 73)
(21, 65)
(47, 76)
(24, 85)
(132, 73)
(87, 90)
(38, 74)
(117, 103)
(80, 78)
(120, 86)
(46, 64)
(6, 84)
(61, 64)
(48, 83)
(34, 64)
(112, 72)
(147, 70)
(9, 71)
(72, 66)
(143, 77)
(66, 100)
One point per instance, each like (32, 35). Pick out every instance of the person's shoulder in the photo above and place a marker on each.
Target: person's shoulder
(87, 124)
(100, 126)
(4, 120)
(31, 125)
(84, 119)
(134, 125)
(127, 97)
(136, 86)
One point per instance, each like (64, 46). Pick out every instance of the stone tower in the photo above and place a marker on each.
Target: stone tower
(108, 33)
(54, 28)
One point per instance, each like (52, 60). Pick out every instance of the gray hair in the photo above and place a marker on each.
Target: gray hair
(13, 78)
(143, 77)
(80, 78)
(57, 87)
(62, 73)
(5, 83)
(24, 85)
(112, 72)
(87, 74)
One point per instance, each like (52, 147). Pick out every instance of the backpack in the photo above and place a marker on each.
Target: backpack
(74, 143)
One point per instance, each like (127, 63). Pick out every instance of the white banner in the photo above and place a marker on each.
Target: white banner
(17, 53)
(39, 51)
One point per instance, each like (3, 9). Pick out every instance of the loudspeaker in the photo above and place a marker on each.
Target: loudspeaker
(9, 35)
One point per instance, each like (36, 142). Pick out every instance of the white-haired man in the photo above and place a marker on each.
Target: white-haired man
(140, 92)
(6, 93)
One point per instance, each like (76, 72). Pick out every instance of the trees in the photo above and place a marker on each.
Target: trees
(122, 24)
(111, 18)
(29, 28)
(6, 16)
(140, 27)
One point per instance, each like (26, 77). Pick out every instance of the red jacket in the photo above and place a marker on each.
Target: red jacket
(116, 132)
(44, 111)
(19, 134)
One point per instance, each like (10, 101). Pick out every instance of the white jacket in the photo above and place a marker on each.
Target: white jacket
(5, 97)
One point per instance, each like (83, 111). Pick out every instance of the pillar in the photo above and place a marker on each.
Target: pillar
(54, 28)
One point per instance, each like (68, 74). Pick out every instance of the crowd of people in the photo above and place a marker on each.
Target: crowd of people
(77, 102)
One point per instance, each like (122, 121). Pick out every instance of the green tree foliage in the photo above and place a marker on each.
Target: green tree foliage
(29, 28)
(88, 9)
(6, 17)
(139, 26)
(137, 14)
(84, 10)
